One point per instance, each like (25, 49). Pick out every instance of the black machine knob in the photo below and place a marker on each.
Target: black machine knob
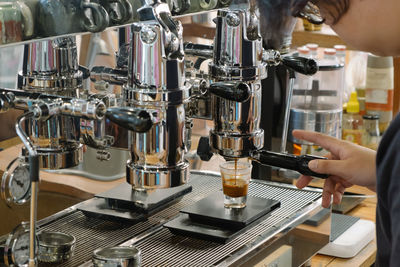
(306, 66)
(238, 91)
(85, 72)
(287, 161)
(204, 149)
(136, 120)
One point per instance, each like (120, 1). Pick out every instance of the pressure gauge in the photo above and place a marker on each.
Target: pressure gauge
(16, 250)
(15, 183)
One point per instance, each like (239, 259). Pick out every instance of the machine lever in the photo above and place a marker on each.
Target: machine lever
(238, 91)
(306, 66)
(287, 161)
(136, 120)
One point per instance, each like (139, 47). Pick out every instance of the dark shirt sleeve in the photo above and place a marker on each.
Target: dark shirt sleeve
(388, 189)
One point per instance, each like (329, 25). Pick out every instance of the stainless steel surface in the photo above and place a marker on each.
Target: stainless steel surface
(238, 48)
(160, 248)
(154, 177)
(323, 120)
(55, 159)
(54, 133)
(237, 57)
(161, 149)
(55, 246)
(93, 168)
(116, 256)
(156, 82)
(52, 65)
(148, 64)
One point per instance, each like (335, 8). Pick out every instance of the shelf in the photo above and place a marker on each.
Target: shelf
(325, 38)
(113, 27)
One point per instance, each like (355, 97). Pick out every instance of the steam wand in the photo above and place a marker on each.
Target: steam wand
(292, 77)
(34, 178)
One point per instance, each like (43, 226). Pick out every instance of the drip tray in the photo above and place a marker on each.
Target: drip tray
(124, 204)
(208, 219)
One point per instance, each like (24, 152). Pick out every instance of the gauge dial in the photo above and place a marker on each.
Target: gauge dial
(15, 183)
(16, 252)
(20, 249)
(19, 184)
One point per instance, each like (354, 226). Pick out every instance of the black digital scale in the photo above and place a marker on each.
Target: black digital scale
(208, 219)
(123, 204)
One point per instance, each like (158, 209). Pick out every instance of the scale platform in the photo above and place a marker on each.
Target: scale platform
(121, 203)
(208, 219)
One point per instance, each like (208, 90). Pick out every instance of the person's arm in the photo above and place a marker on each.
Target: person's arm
(348, 164)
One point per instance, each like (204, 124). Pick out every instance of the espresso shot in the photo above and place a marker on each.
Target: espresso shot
(235, 183)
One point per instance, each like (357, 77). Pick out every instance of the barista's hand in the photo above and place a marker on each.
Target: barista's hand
(348, 164)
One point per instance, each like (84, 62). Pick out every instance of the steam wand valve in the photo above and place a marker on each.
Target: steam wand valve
(287, 161)
(239, 92)
(137, 120)
(306, 66)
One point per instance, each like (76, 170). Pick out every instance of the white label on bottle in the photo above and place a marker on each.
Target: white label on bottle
(376, 96)
(380, 78)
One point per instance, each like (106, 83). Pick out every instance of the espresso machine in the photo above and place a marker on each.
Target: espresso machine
(160, 98)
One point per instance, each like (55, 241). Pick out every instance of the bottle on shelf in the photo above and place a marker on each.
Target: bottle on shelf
(341, 53)
(371, 134)
(313, 50)
(379, 89)
(352, 124)
(304, 51)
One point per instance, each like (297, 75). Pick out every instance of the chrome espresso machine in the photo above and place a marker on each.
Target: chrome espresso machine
(139, 221)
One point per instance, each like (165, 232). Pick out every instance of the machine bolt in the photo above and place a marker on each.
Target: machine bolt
(148, 35)
(233, 19)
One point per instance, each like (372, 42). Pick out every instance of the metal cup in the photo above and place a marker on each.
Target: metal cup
(116, 256)
(119, 11)
(70, 16)
(55, 246)
(16, 22)
(235, 183)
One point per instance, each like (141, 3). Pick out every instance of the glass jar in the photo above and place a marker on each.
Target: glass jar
(317, 103)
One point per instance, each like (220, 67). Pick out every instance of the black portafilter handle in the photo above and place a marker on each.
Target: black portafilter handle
(237, 91)
(137, 120)
(287, 161)
(306, 66)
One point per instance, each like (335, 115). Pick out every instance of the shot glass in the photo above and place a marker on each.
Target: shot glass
(235, 183)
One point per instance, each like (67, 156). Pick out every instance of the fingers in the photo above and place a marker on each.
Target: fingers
(328, 190)
(339, 191)
(303, 181)
(331, 188)
(331, 167)
(330, 143)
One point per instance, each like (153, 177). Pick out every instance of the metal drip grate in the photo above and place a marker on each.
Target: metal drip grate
(161, 248)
